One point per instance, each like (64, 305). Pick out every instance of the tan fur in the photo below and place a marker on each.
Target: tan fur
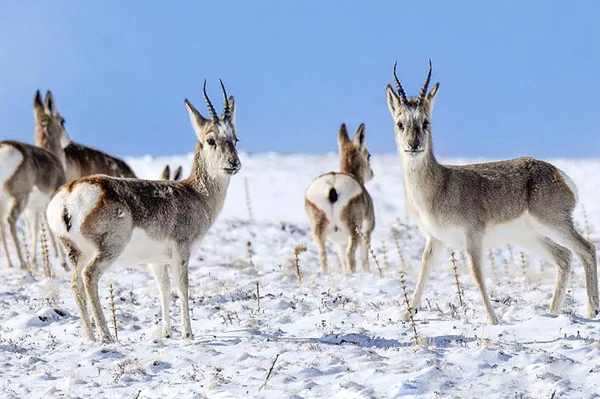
(98, 217)
(522, 201)
(40, 170)
(357, 214)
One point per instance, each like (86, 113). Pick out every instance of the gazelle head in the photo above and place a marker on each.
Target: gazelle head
(216, 135)
(48, 125)
(65, 140)
(412, 118)
(354, 156)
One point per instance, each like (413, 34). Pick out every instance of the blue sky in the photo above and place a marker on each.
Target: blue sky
(517, 78)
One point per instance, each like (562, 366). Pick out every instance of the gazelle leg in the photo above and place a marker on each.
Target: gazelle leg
(341, 253)
(561, 257)
(430, 255)
(91, 276)
(474, 249)
(586, 252)
(181, 281)
(4, 243)
(318, 223)
(32, 223)
(353, 239)
(13, 217)
(74, 256)
(364, 250)
(161, 274)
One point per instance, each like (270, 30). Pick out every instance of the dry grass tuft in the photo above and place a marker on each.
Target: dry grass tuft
(113, 310)
(298, 249)
(45, 255)
(456, 280)
(409, 309)
(248, 200)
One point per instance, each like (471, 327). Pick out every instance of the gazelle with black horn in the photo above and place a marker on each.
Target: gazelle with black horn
(339, 206)
(102, 220)
(523, 201)
(30, 175)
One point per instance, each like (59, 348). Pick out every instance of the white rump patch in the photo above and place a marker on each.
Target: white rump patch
(318, 193)
(571, 184)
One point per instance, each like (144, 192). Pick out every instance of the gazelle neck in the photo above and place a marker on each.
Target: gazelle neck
(349, 167)
(422, 173)
(204, 181)
(48, 141)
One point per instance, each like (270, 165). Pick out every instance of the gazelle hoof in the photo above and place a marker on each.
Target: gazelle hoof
(189, 335)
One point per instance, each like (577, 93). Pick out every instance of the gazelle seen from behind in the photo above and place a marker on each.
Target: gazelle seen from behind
(30, 175)
(523, 201)
(102, 220)
(338, 204)
(81, 161)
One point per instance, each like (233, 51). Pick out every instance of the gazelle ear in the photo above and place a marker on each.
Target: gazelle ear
(49, 103)
(431, 97)
(38, 105)
(392, 100)
(359, 138)
(166, 173)
(196, 119)
(177, 174)
(343, 135)
(232, 108)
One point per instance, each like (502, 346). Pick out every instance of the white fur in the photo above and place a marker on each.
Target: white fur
(10, 159)
(571, 184)
(318, 193)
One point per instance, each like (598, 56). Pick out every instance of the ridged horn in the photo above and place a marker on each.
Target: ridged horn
(226, 109)
(399, 87)
(211, 109)
(423, 92)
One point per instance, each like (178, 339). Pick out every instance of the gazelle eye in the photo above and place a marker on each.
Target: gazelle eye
(400, 126)
(425, 124)
(211, 141)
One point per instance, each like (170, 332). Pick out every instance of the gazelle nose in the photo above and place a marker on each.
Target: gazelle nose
(414, 144)
(234, 162)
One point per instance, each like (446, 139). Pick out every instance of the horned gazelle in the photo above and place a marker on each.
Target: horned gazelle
(30, 175)
(523, 201)
(339, 206)
(102, 220)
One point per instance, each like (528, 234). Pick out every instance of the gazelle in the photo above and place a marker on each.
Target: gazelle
(338, 204)
(102, 220)
(523, 201)
(166, 173)
(84, 161)
(29, 175)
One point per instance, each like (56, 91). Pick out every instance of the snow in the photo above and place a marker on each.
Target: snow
(334, 336)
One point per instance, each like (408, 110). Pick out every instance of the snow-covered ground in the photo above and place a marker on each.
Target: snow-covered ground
(334, 336)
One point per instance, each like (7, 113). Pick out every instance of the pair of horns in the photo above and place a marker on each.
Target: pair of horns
(211, 109)
(423, 92)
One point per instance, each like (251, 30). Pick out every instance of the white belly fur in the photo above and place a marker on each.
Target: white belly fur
(141, 248)
(519, 231)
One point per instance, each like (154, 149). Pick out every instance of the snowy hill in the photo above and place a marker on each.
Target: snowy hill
(334, 336)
